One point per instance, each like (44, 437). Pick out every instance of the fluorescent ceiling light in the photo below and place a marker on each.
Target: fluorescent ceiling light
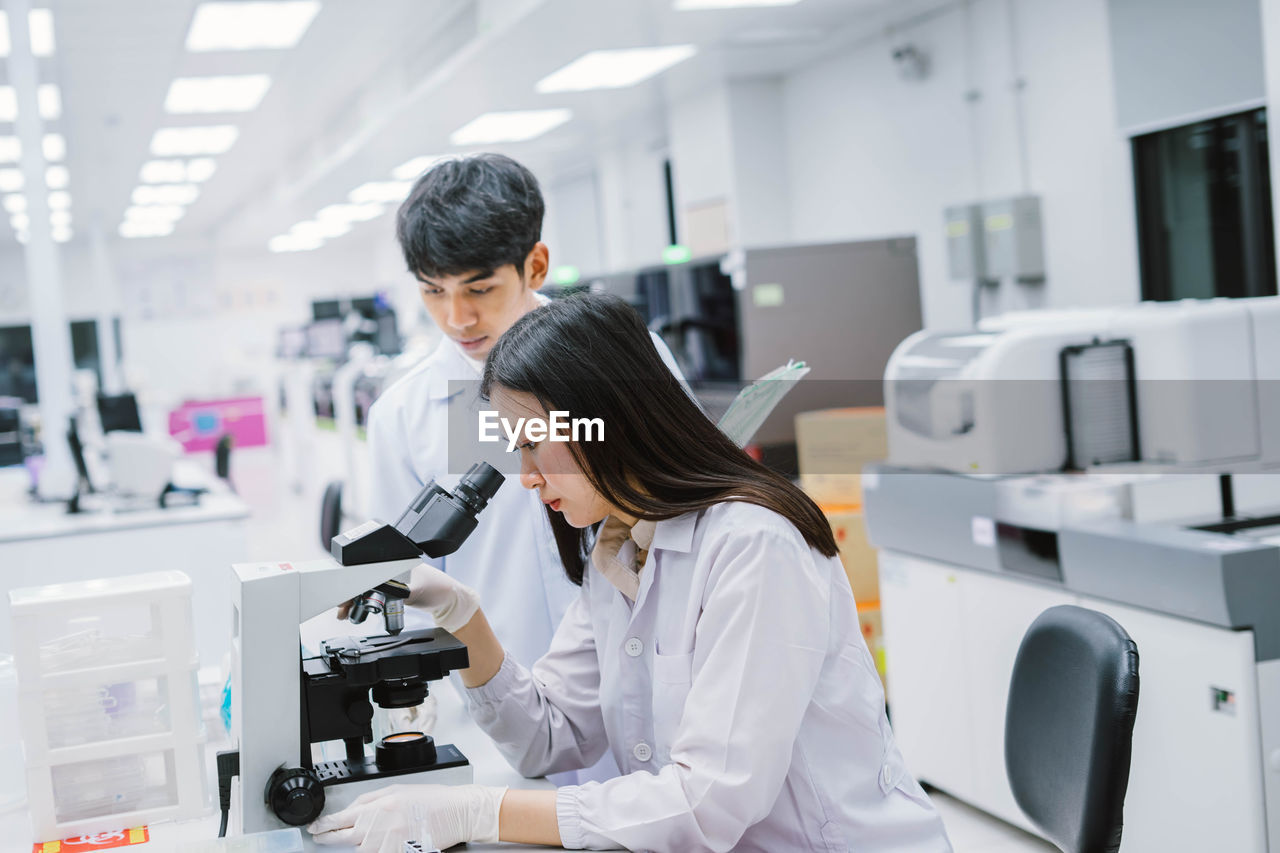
(60, 218)
(165, 194)
(49, 97)
(154, 213)
(10, 149)
(350, 212)
(614, 69)
(177, 171)
(61, 233)
(234, 94)
(516, 126)
(309, 228)
(57, 177)
(384, 192)
(23, 236)
(59, 200)
(201, 169)
(163, 172)
(690, 5)
(15, 203)
(412, 169)
(250, 26)
(10, 180)
(134, 228)
(40, 22)
(55, 147)
(20, 221)
(294, 243)
(178, 141)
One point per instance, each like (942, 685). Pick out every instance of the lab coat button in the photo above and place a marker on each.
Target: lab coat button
(634, 647)
(886, 776)
(642, 751)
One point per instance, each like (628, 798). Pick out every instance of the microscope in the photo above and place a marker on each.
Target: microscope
(284, 703)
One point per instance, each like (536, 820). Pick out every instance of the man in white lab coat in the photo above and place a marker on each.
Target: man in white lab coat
(470, 233)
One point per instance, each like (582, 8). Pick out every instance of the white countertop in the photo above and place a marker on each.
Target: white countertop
(22, 519)
(453, 725)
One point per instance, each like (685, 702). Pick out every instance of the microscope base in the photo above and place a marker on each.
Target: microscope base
(451, 768)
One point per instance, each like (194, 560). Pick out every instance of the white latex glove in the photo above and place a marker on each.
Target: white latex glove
(449, 601)
(382, 821)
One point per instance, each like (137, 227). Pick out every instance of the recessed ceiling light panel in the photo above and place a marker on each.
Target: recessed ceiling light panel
(350, 212)
(515, 126)
(614, 69)
(231, 94)
(250, 26)
(165, 194)
(154, 213)
(180, 141)
(40, 22)
(55, 147)
(418, 166)
(380, 192)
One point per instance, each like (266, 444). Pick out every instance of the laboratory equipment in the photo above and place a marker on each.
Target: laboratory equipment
(119, 412)
(1168, 525)
(280, 708)
(109, 704)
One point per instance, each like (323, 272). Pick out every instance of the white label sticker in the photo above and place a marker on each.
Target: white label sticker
(361, 530)
(870, 481)
(984, 531)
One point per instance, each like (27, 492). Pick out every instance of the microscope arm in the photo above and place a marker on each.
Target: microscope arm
(325, 584)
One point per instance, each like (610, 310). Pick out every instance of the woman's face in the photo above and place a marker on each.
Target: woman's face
(549, 466)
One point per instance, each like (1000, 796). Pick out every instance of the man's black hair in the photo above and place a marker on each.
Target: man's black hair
(472, 214)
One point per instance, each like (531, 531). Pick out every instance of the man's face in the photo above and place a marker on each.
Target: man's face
(476, 307)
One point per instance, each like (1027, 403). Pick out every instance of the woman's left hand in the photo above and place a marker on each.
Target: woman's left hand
(437, 816)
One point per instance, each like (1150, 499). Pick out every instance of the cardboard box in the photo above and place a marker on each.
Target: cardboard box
(832, 445)
(873, 633)
(857, 555)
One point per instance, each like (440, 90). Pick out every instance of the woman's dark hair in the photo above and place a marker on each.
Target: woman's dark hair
(474, 213)
(591, 356)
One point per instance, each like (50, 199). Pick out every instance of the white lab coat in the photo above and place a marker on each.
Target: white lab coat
(736, 692)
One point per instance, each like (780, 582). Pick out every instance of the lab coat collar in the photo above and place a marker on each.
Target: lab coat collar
(675, 534)
(448, 365)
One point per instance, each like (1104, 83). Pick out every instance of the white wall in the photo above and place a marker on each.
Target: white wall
(871, 154)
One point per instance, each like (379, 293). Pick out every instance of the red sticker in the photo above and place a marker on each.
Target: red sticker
(96, 841)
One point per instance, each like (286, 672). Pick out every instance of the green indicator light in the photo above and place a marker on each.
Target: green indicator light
(565, 275)
(676, 254)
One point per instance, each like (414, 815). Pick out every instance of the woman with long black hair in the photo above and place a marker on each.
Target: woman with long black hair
(714, 648)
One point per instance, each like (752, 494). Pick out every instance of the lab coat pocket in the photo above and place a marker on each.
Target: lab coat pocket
(672, 677)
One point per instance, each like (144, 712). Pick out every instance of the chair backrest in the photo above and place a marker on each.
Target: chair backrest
(1069, 727)
(222, 457)
(330, 514)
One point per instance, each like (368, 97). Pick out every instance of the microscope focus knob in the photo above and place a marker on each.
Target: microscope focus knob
(295, 795)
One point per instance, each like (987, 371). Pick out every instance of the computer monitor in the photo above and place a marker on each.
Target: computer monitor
(326, 339)
(119, 412)
(17, 363)
(11, 452)
(326, 309)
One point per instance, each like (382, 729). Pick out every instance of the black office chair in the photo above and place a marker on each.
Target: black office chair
(1068, 730)
(330, 513)
(222, 459)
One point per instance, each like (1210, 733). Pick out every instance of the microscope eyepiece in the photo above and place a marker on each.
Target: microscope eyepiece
(478, 486)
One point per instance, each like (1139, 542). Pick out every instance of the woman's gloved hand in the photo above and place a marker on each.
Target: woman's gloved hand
(438, 816)
(450, 602)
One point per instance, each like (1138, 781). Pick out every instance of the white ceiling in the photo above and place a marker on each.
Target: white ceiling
(376, 82)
